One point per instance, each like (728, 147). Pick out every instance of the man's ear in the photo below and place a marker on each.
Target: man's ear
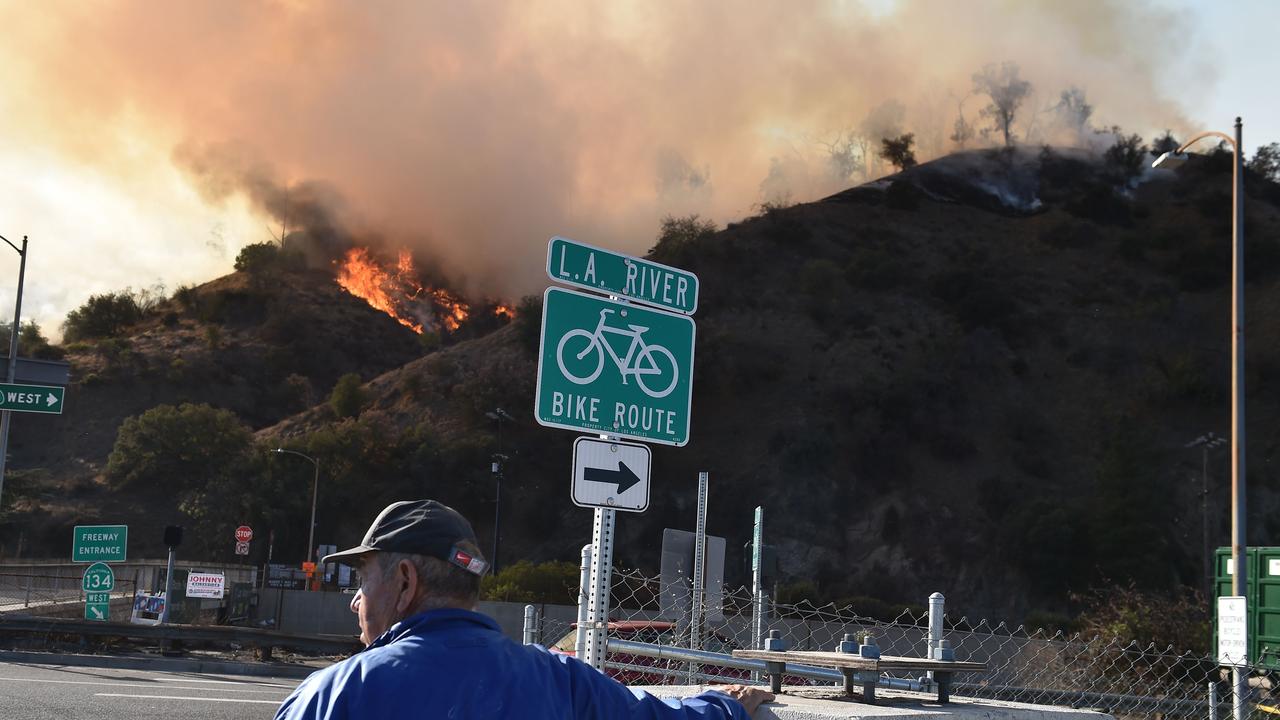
(406, 585)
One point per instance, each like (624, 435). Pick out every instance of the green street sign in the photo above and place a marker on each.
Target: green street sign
(31, 398)
(604, 271)
(99, 543)
(97, 611)
(614, 368)
(98, 578)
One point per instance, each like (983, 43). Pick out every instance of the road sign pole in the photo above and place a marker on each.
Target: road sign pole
(168, 586)
(601, 581)
(7, 416)
(757, 581)
(699, 570)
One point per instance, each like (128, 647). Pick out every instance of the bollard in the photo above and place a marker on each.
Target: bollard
(868, 648)
(937, 603)
(530, 625)
(848, 644)
(584, 594)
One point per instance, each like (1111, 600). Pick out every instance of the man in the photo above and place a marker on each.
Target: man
(430, 655)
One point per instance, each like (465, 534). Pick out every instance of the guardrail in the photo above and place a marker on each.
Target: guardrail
(264, 640)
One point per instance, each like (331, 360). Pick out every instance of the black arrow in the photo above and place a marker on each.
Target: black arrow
(623, 476)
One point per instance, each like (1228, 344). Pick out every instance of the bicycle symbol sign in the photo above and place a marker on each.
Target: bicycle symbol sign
(615, 368)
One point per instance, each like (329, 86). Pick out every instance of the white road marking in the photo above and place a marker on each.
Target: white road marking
(222, 682)
(180, 697)
(132, 685)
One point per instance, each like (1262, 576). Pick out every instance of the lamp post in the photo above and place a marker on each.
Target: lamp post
(1206, 442)
(1239, 584)
(315, 486)
(6, 415)
(498, 415)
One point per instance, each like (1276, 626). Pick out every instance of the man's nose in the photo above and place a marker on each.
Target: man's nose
(355, 601)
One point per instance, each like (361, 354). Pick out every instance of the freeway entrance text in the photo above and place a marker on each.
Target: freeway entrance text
(99, 543)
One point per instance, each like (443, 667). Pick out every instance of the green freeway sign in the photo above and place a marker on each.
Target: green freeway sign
(604, 271)
(96, 610)
(31, 398)
(98, 578)
(99, 543)
(614, 368)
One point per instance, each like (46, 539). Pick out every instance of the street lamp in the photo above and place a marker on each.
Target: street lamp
(498, 415)
(6, 415)
(1239, 585)
(315, 485)
(1206, 442)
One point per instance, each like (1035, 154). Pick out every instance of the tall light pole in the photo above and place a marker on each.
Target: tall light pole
(315, 486)
(13, 353)
(1239, 546)
(499, 415)
(1206, 442)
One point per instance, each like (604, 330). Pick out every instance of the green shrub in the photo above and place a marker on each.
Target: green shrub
(257, 258)
(549, 582)
(184, 446)
(347, 398)
(102, 316)
(678, 235)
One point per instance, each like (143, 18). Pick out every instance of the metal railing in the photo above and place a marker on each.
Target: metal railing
(42, 594)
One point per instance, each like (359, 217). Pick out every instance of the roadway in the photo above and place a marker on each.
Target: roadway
(40, 692)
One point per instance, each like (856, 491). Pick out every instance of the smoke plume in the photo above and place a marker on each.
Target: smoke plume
(471, 132)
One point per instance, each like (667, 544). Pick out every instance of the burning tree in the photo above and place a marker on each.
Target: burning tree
(1006, 90)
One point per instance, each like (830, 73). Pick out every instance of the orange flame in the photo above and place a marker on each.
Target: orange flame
(505, 312)
(455, 312)
(398, 292)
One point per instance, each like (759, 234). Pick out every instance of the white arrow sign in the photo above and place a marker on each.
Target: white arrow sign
(611, 474)
(51, 400)
(97, 614)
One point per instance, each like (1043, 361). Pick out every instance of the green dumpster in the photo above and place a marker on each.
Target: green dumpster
(1263, 597)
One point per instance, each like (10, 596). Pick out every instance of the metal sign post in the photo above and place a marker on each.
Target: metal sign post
(601, 582)
(757, 581)
(699, 571)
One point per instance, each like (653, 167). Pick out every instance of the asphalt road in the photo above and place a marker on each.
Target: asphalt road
(40, 692)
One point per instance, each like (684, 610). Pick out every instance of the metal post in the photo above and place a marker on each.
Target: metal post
(1239, 543)
(757, 581)
(696, 612)
(315, 491)
(6, 415)
(601, 583)
(937, 610)
(1213, 700)
(168, 586)
(530, 625)
(497, 508)
(584, 597)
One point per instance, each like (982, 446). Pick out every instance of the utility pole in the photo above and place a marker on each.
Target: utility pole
(6, 416)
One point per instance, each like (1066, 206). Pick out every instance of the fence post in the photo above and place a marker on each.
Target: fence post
(937, 608)
(1213, 700)
(530, 625)
(584, 592)
(30, 580)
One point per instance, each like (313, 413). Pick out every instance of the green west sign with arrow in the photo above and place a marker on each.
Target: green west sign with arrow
(31, 398)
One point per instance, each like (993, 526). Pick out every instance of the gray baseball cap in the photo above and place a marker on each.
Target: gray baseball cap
(419, 527)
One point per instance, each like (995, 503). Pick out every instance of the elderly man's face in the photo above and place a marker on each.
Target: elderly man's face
(375, 601)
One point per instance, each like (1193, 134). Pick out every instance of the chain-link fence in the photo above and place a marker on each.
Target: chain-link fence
(1031, 666)
(46, 594)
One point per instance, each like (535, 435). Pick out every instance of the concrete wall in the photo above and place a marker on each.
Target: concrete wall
(329, 613)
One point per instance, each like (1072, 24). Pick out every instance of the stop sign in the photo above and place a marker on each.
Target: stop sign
(244, 533)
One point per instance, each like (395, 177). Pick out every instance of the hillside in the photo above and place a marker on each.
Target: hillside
(977, 376)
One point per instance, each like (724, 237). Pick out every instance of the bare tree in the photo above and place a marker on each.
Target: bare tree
(1074, 111)
(843, 157)
(962, 131)
(1007, 92)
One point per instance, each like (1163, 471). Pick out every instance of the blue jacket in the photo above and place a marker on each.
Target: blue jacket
(457, 664)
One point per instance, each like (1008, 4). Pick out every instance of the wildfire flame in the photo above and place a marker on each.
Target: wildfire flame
(397, 291)
(504, 312)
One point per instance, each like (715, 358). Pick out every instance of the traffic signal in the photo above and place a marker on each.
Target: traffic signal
(173, 535)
